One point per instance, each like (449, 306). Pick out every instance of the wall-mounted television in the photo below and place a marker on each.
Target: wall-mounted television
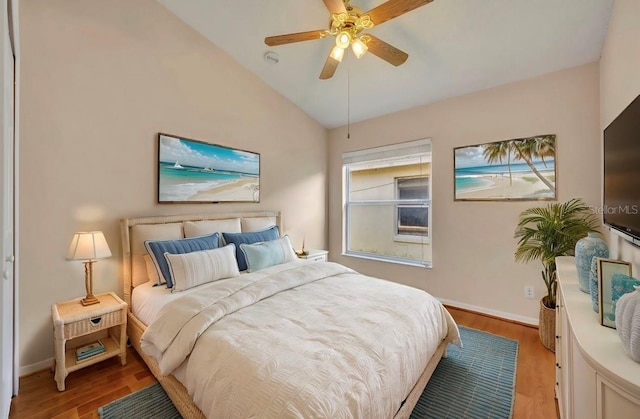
(621, 190)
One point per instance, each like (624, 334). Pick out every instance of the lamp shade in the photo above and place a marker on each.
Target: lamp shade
(88, 246)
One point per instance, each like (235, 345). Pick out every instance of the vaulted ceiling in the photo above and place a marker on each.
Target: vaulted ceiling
(455, 47)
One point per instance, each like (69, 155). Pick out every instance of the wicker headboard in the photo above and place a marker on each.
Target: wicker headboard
(168, 227)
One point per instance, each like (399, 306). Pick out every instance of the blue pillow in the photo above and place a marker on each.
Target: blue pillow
(269, 253)
(157, 249)
(251, 237)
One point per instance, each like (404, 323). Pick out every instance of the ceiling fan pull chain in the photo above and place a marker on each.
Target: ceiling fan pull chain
(348, 98)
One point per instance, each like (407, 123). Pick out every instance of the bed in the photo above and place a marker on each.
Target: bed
(296, 339)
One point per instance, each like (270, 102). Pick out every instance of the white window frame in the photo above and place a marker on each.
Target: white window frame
(412, 238)
(419, 149)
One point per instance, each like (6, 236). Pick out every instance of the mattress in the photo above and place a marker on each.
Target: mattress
(318, 340)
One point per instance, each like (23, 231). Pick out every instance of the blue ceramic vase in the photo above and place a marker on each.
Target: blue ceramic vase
(586, 249)
(622, 284)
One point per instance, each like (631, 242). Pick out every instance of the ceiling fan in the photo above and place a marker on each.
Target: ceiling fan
(346, 24)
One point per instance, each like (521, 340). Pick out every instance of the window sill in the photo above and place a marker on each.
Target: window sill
(412, 239)
(417, 264)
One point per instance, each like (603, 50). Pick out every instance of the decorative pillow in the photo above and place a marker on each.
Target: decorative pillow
(157, 249)
(269, 253)
(270, 233)
(192, 269)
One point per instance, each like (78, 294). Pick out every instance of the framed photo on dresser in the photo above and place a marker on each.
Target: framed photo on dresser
(606, 306)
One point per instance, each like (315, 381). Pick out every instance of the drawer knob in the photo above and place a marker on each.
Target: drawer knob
(96, 320)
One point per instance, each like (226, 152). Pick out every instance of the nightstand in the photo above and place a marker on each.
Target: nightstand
(75, 325)
(316, 255)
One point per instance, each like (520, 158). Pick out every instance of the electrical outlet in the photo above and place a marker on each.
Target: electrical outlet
(529, 292)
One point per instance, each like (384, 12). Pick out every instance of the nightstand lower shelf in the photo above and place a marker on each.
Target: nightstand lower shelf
(112, 349)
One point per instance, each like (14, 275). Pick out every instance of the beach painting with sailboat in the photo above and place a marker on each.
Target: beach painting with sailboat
(520, 169)
(196, 171)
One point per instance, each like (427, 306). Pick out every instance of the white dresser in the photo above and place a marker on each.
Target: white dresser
(594, 376)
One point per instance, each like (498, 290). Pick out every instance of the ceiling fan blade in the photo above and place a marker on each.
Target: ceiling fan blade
(394, 8)
(329, 68)
(387, 52)
(294, 37)
(335, 6)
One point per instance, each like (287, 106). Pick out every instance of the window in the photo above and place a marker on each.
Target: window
(412, 219)
(387, 197)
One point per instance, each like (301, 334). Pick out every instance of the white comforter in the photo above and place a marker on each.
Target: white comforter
(312, 340)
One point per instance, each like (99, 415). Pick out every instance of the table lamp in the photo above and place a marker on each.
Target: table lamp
(88, 246)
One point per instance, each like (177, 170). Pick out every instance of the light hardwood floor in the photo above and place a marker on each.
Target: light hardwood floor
(94, 386)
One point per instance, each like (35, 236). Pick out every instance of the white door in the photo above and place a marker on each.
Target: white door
(7, 154)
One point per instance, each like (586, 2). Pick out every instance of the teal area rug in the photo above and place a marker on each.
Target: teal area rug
(149, 402)
(475, 382)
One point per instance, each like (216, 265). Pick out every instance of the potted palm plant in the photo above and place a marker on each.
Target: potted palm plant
(544, 233)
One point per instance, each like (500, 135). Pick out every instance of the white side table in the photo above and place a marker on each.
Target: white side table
(75, 325)
(316, 255)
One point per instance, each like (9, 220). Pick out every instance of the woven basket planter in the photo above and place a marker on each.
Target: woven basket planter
(547, 327)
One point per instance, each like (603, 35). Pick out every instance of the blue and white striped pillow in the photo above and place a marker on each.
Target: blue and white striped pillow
(157, 249)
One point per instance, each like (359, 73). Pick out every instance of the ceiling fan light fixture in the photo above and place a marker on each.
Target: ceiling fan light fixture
(337, 53)
(359, 47)
(343, 39)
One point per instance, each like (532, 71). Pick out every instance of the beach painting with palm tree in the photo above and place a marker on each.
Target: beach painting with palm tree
(520, 169)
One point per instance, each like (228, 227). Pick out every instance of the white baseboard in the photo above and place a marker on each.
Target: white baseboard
(38, 366)
(483, 310)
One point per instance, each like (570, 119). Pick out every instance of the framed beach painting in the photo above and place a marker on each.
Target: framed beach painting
(606, 306)
(522, 169)
(192, 171)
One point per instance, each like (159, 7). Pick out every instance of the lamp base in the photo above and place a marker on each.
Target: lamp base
(89, 300)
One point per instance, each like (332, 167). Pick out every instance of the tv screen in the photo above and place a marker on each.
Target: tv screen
(621, 195)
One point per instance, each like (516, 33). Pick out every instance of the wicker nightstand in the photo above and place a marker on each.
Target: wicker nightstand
(75, 325)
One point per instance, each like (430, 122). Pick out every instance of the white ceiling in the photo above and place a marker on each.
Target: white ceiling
(455, 47)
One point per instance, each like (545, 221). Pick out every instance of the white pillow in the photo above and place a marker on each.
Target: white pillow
(195, 268)
(264, 254)
(257, 223)
(206, 227)
(152, 272)
(144, 232)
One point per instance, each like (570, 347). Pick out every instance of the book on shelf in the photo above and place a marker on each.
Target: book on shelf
(90, 350)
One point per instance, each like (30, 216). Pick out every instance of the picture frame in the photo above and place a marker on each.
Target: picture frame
(521, 169)
(194, 171)
(606, 307)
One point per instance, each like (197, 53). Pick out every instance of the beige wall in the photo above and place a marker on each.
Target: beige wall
(473, 242)
(619, 85)
(100, 79)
